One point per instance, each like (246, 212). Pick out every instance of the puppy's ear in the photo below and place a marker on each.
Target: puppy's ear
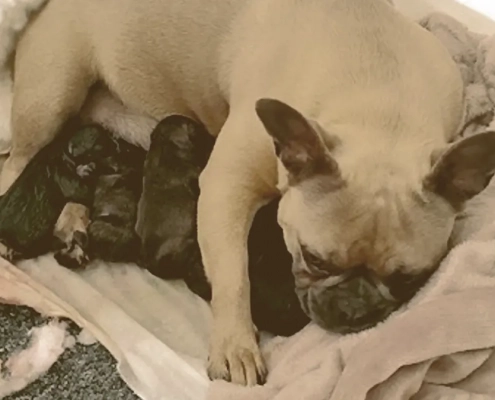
(464, 169)
(297, 144)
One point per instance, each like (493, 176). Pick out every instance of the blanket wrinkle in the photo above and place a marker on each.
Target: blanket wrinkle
(434, 392)
(403, 384)
(481, 381)
(448, 338)
(448, 370)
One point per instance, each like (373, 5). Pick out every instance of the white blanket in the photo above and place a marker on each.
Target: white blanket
(158, 331)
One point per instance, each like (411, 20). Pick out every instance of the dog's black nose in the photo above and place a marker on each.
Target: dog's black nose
(351, 306)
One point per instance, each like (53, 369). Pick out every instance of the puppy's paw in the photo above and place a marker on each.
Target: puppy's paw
(73, 255)
(8, 253)
(235, 357)
(86, 170)
(71, 230)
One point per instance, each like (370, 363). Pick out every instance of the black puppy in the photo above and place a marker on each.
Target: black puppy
(63, 171)
(179, 150)
(166, 224)
(111, 233)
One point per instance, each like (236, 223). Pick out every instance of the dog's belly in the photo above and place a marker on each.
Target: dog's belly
(160, 57)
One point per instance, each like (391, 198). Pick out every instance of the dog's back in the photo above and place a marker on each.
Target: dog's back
(150, 47)
(358, 76)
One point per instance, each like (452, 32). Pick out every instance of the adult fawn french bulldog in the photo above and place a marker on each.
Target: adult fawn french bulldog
(345, 108)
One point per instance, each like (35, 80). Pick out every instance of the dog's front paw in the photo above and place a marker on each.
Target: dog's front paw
(236, 357)
(73, 255)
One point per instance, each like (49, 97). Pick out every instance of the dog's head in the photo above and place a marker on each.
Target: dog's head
(361, 249)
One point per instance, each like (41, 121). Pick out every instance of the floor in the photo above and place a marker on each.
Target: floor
(81, 373)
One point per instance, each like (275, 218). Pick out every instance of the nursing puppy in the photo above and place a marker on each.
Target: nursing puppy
(111, 232)
(178, 153)
(317, 101)
(63, 171)
(179, 150)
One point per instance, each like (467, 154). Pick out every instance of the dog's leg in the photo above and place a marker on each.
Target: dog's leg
(52, 76)
(71, 229)
(239, 178)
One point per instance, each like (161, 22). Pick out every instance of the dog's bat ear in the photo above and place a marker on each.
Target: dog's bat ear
(464, 169)
(297, 144)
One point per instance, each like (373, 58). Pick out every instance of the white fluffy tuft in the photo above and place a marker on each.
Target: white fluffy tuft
(47, 343)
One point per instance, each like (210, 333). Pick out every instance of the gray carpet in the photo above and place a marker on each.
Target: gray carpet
(81, 373)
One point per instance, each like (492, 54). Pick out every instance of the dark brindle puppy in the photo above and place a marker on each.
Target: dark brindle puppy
(63, 171)
(112, 235)
(166, 224)
(179, 150)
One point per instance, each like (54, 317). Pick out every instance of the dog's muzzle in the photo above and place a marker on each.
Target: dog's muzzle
(352, 302)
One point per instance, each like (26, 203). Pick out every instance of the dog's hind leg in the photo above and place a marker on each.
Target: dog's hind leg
(53, 74)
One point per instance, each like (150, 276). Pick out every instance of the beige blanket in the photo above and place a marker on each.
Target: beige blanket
(441, 347)
(438, 347)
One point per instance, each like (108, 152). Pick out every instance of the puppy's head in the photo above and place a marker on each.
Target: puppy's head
(361, 248)
(183, 139)
(178, 151)
(91, 148)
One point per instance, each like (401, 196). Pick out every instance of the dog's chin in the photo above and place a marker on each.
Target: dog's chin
(351, 306)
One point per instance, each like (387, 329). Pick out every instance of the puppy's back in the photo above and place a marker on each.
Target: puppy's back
(179, 150)
(33, 203)
(111, 233)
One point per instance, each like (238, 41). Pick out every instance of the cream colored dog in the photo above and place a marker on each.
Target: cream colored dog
(366, 172)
